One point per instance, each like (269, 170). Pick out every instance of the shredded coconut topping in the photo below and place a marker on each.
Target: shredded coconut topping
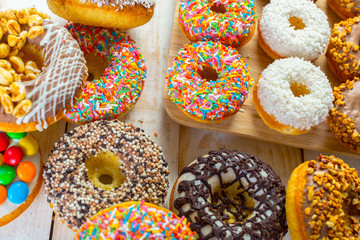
(277, 99)
(121, 3)
(309, 42)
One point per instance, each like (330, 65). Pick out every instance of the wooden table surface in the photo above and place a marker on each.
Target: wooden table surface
(180, 144)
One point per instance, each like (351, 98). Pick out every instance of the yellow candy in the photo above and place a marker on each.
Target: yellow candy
(29, 145)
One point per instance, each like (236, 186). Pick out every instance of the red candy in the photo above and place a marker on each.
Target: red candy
(26, 171)
(13, 155)
(4, 141)
(3, 194)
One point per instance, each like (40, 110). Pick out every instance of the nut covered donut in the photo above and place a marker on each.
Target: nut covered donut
(100, 164)
(208, 81)
(119, 87)
(345, 8)
(42, 71)
(322, 200)
(343, 50)
(292, 96)
(230, 195)
(232, 22)
(293, 29)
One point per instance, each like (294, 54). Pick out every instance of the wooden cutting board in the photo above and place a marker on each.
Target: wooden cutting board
(247, 123)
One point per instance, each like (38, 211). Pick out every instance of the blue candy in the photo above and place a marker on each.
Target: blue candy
(18, 192)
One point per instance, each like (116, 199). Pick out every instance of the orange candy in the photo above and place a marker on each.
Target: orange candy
(26, 171)
(3, 194)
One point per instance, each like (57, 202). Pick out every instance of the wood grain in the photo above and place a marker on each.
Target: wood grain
(248, 123)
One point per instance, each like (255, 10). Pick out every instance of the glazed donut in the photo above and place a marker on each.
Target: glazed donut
(292, 96)
(343, 50)
(122, 14)
(322, 200)
(208, 81)
(43, 55)
(293, 29)
(345, 9)
(147, 221)
(232, 22)
(20, 181)
(100, 164)
(230, 195)
(118, 86)
(343, 120)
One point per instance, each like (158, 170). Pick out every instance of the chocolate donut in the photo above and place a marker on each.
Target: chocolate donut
(101, 164)
(231, 195)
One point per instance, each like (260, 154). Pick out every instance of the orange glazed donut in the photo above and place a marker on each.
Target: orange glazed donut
(42, 70)
(122, 14)
(343, 50)
(322, 200)
(345, 8)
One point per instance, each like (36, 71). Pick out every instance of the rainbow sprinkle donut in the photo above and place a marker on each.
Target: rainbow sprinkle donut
(122, 82)
(232, 22)
(208, 81)
(133, 221)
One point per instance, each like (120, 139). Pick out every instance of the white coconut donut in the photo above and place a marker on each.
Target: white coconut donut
(305, 37)
(292, 96)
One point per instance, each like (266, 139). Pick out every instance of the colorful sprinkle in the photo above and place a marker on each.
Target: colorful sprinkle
(121, 85)
(208, 99)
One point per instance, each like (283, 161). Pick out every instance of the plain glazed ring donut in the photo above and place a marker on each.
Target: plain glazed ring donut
(343, 50)
(230, 195)
(323, 200)
(122, 14)
(344, 117)
(231, 22)
(114, 91)
(208, 81)
(48, 71)
(292, 96)
(345, 8)
(147, 221)
(293, 29)
(100, 164)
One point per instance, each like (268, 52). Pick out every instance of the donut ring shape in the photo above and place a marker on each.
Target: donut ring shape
(208, 100)
(71, 193)
(200, 23)
(277, 35)
(122, 82)
(207, 178)
(274, 95)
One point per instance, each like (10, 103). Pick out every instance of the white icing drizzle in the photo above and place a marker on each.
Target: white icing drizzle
(121, 3)
(60, 79)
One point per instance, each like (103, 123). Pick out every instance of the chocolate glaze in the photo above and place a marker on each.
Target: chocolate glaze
(267, 216)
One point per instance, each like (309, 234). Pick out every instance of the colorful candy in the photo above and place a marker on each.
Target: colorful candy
(18, 192)
(13, 155)
(4, 141)
(3, 194)
(26, 171)
(7, 174)
(15, 135)
(29, 145)
(2, 161)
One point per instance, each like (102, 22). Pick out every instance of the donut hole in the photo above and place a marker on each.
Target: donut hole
(96, 66)
(104, 171)
(232, 203)
(297, 23)
(218, 7)
(208, 73)
(299, 89)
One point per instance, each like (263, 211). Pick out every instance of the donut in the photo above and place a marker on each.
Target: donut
(231, 22)
(230, 195)
(20, 175)
(322, 200)
(343, 50)
(292, 96)
(42, 71)
(293, 29)
(135, 220)
(343, 120)
(345, 9)
(118, 85)
(122, 14)
(208, 81)
(100, 164)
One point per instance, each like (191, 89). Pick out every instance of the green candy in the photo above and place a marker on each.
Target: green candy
(7, 174)
(16, 135)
